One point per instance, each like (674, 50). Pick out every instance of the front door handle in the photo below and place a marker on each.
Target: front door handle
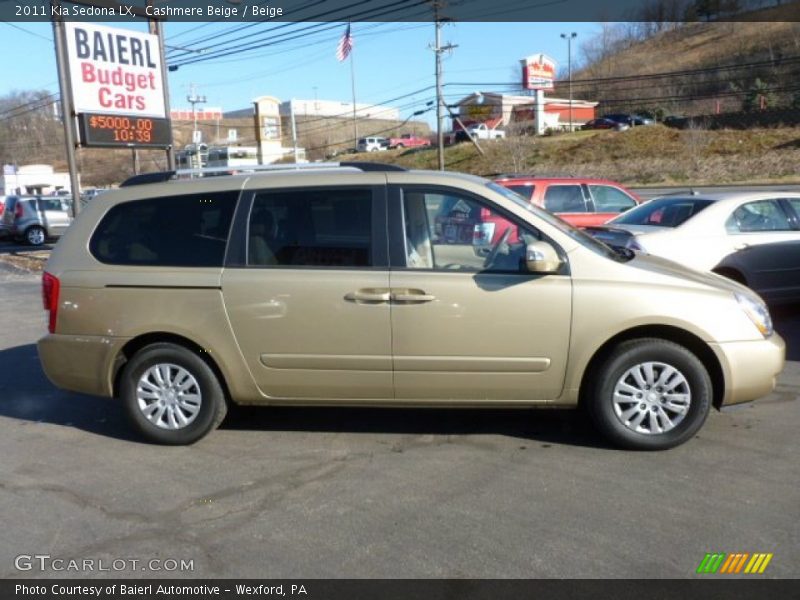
(412, 295)
(369, 295)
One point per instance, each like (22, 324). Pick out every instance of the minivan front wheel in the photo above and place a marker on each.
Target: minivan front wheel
(650, 394)
(35, 235)
(171, 395)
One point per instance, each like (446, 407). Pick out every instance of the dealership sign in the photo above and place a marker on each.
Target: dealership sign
(114, 71)
(538, 72)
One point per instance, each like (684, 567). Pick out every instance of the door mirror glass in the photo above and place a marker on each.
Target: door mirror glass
(541, 257)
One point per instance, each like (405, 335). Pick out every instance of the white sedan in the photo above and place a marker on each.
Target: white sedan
(700, 231)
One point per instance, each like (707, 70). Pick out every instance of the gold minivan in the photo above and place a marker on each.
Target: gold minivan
(366, 284)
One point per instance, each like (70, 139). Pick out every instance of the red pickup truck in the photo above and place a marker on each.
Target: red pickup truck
(408, 140)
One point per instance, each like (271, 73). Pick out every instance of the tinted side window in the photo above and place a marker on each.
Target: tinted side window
(50, 204)
(526, 191)
(610, 199)
(795, 202)
(311, 228)
(564, 198)
(176, 231)
(763, 215)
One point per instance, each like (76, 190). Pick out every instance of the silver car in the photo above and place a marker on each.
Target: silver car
(34, 219)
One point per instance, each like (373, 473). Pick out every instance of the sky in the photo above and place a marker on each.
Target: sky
(389, 60)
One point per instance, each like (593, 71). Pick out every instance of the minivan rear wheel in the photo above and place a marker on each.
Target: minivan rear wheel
(650, 394)
(35, 235)
(171, 395)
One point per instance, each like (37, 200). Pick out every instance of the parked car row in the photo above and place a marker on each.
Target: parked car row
(618, 121)
(34, 219)
(753, 238)
(377, 143)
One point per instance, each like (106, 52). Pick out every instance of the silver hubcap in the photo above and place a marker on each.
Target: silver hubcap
(36, 236)
(652, 398)
(168, 396)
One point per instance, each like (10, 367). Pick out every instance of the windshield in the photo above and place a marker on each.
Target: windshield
(576, 234)
(663, 212)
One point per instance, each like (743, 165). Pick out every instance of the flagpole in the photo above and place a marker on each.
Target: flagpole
(353, 89)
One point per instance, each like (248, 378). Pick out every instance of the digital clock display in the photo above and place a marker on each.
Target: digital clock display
(113, 131)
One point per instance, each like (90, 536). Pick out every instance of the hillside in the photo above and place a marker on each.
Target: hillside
(654, 155)
(688, 68)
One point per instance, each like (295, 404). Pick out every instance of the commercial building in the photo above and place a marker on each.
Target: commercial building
(503, 109)
(325, 108)
(33, 179)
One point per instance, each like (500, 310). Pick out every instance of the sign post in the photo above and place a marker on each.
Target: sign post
(67, 110)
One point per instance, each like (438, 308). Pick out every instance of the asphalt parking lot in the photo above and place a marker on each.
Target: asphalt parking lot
(300, 493)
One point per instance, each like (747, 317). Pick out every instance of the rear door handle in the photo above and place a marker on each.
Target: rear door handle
(413, 296)
(368, 295)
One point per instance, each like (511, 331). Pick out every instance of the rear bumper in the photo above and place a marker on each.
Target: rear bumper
(82, 364)
(750, 369)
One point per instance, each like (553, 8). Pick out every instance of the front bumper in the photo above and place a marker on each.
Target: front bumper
(82, 364)
(750, 369)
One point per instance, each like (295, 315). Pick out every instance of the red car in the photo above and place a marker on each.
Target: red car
(580, 201)
(408, 140)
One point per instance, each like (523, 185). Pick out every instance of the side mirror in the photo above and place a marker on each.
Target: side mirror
(541, 257)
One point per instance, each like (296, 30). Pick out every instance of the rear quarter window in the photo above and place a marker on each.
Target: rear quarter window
(560, 198)
(175, 231)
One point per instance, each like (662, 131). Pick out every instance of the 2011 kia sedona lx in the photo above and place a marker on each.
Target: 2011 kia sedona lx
(343, 285)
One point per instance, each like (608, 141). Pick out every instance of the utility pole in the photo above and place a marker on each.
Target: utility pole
(569, 39)
(294, 128)
(439, 50)
(193, 99)
(155, 27)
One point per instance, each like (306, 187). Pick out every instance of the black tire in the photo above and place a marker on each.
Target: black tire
(213, 405)
(627, 355)
(35, 235)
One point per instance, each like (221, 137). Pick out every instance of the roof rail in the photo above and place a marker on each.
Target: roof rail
(367, 166)
(155, 177)
(161, 176)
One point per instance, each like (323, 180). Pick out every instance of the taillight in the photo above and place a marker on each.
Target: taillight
(50, 289)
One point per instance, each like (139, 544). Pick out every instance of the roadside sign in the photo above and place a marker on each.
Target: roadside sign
(113, 131)
(538, 72)
(114, 71)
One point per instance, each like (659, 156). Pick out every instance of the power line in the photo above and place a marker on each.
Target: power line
(235, 30)
(28, 31)
(298, 33)
(39, 102)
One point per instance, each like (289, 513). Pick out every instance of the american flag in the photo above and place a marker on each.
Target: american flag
(345, 45)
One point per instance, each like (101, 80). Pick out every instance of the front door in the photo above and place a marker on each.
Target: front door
(54, 218)
(307, 293)
(468, 322)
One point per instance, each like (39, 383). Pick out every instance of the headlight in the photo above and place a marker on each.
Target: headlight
(758, 313)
